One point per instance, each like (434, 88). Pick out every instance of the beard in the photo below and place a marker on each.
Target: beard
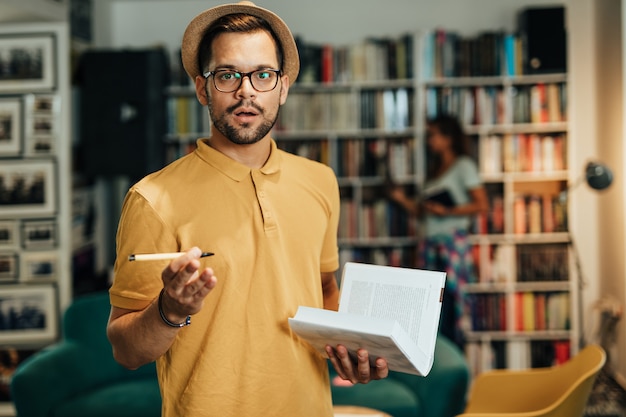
(242, 134)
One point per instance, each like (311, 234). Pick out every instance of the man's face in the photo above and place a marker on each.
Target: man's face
(244, 116)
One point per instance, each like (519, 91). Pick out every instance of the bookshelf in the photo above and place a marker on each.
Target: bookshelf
(521, 309)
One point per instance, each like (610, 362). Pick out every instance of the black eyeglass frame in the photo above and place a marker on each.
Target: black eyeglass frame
(243, 75)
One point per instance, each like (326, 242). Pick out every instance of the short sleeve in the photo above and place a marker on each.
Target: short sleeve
(140, 230)
(468, 173)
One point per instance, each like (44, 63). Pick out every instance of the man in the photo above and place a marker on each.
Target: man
(217, 326)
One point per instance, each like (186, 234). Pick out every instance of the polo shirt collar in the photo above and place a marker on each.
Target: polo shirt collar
(232, 168)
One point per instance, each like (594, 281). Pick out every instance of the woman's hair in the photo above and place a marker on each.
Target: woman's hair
(234, 23)
(451, 127)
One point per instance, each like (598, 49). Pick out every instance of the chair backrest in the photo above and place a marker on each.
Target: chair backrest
(558, 391)
(577, 376)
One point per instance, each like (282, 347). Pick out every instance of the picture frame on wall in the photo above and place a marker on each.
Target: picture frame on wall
(30, 59)
(9, 234)
(27, 188)
(27, 313)
(42, 123)
(8, 267)
(39, 233)
(39, 266)
(10, 126)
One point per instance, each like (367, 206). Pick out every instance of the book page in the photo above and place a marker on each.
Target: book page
(412, 297)
(380, 337)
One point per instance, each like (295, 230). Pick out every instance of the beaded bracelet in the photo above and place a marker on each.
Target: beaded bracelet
(187, 321)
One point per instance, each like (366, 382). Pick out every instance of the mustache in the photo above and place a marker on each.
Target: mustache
(252, 104)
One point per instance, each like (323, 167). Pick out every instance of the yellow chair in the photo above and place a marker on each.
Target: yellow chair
(558, 391)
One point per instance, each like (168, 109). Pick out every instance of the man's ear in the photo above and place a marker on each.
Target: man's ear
(284, 89)
(201, 90)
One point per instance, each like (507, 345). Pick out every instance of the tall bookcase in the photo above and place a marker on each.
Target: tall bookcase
(35, 190)
(361, 109)
(522, 305)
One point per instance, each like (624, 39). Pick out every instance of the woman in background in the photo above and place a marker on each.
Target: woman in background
(452, 195)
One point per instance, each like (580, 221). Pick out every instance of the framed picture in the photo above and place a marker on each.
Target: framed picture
(8, 266)
(27, 313)
(37, 234)
(39, 266)
(42, 123)
(30, 63)
(9, 235)
(27, 188)
(10, 126)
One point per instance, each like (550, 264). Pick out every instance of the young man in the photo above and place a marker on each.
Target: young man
(223, 346)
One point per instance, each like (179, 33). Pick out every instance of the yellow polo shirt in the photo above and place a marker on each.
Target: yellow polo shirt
(273, 231)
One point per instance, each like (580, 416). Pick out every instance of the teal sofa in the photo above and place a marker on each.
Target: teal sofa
(78, 377)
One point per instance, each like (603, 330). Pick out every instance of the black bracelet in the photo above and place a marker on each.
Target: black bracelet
(187, 321)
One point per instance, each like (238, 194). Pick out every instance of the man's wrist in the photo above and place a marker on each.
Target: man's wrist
(184, 323)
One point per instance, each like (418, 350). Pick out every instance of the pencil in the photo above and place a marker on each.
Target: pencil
(161, 256)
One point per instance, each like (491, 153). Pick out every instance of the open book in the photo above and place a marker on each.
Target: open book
(391, 312)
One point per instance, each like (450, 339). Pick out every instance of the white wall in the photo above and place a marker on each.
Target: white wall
(142, 23)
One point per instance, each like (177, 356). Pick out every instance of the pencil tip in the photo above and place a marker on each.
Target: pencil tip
(131, 257)
(205, 254)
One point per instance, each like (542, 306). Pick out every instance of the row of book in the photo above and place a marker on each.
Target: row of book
(492, 221)
(491, 105)
(185, 115)
(523, 263)
(307, 111)
(532, 311)
(383, 58)
(350, 158)
(538, 311)
(490, 53)
(314, 149)
(388, 109)
(522, 152)
(373, 157)
(532, 213)
(486, 355)
(392, 256)
(543, 262)
(535, 213)
(376, 219)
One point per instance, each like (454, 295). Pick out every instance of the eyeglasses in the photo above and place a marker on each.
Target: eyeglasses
(228, 81)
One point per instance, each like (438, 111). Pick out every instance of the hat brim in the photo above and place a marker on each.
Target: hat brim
(197, 27)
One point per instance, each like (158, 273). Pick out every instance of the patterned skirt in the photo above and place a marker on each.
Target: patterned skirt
(452, 254)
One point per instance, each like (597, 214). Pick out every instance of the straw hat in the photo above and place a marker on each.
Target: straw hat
(197, 27)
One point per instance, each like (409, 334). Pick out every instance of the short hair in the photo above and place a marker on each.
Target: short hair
(234, 23)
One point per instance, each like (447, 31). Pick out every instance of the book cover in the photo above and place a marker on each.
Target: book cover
(391, 312)
(441, 196)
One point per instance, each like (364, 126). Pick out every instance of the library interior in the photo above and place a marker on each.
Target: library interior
(479, 138)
